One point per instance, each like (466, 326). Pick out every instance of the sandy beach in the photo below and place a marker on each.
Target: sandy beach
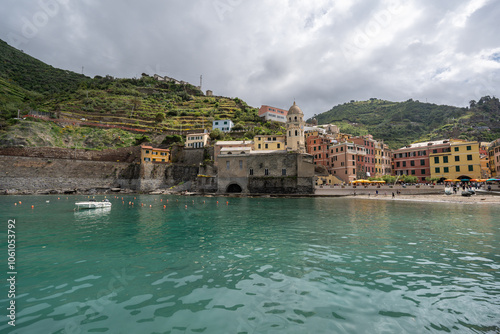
(475, 199)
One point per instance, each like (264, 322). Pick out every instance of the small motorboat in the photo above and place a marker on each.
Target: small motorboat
(93, 204)
(468, 193)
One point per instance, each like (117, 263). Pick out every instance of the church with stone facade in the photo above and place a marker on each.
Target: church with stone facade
(285, 171)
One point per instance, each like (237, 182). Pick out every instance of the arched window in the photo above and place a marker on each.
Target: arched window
(295, 117)
(296, 132)
(289, 133)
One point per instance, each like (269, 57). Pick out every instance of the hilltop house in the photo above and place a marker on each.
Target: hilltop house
(224, 125)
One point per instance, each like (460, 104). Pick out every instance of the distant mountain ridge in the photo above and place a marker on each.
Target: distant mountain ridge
(401, 123)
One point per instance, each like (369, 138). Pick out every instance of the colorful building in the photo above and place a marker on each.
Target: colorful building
(460, 160)
(197, 140)
(369, 159)
(494, 158)
(414, 159)
(347, 161)
(269, 143)
(273, 114)
(150, 154)
(319, 147)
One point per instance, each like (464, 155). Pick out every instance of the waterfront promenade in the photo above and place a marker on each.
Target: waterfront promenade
(422, 193)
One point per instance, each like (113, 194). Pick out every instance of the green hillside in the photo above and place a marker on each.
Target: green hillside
(401, 123)
(133, 108)
(34, 75)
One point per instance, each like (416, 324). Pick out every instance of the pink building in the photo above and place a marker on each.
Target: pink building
(273, 114)
(414, 159)
(347, 161)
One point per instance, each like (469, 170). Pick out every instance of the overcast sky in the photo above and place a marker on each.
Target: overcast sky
(319, 53)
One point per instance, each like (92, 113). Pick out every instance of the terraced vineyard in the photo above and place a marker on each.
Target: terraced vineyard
(157, 107)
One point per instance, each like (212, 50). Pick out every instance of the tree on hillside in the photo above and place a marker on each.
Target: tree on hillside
(216, 134)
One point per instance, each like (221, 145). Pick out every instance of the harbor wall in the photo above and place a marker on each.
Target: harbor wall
(27, 175)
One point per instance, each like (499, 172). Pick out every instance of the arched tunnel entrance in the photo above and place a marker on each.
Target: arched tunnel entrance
(234, 189)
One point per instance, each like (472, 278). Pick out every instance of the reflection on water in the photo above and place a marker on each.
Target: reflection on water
(85, 214)
(258, 266)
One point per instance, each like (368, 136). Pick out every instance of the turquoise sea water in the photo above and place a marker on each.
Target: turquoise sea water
(314, 265)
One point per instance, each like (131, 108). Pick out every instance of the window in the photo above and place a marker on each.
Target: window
(216, 123)
(228, 165)
(147, 151)
(436, 160)
(147, 159)
(446, 170)
(434, 151)
(267, 146)
(250, 171)
(241, 164)
(422, 162)
(438, 170)
(457, 168)
(259, 145)
(469, 157)
(456, 149)
(457, 158)
(471, 168)
(404, 163)
(412, 172)
(445, 159)
(412, 163)
(266, 171)
(469, 148)
(278, 145)
(422, 171)
(398, 164)
(283, 171)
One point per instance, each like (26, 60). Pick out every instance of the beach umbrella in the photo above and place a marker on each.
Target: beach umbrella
(465, 180)
(449, 180)
(455, 180)
(492, 179)
(475, 180)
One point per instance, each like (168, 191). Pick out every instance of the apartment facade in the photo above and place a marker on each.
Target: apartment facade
(494, 158)
(150, 154)
(224, 125)
(347, 161)
(319, 147)
(197, 140)
(414, 159)
(461, 160)
(273, 114)
(269, 143)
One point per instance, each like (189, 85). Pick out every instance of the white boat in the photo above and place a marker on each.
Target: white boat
(93, 204)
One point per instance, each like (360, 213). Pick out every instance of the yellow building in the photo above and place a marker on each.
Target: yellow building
(150, 154)
(269, 143)
(459, 161)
